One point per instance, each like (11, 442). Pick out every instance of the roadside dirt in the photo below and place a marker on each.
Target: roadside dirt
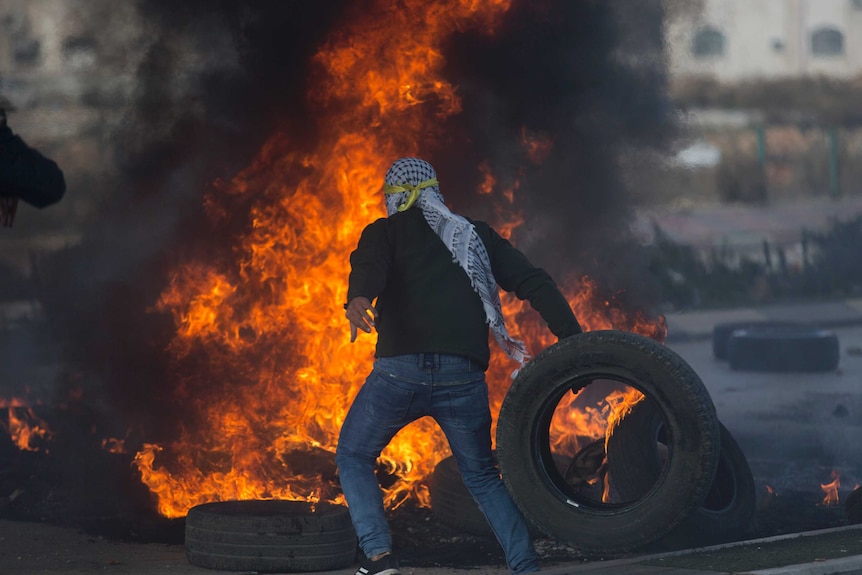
(772, 554)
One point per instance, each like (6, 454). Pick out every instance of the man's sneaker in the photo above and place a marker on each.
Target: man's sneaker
(386, 565)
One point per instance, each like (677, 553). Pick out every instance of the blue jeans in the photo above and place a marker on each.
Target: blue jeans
(452, 390)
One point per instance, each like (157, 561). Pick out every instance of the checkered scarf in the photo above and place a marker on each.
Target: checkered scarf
(460, 237)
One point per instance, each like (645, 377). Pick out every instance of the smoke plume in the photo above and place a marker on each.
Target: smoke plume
(554, 102)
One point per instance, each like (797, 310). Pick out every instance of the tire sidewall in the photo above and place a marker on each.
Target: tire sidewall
(666, 380)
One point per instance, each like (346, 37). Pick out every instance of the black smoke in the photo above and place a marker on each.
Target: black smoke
(215, 81)
(591, 77)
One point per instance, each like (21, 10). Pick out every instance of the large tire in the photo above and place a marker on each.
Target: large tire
(527, 464)
(269, 536)
(721, 332)
(801, 349)
(728, 511)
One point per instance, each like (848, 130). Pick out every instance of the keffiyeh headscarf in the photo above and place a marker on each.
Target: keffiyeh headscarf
(411, 181)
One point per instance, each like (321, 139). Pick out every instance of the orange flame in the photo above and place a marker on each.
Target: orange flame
(831, 489)
(23, 425)
(113, 445)
(489, 181)
(538, 146)
(270, 326)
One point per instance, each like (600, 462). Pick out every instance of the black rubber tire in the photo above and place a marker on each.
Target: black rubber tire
(721, 332)
(727, 513)
(633, 461)
(800, 349)
(453, 505)
(527, 465)
(451, 501)
(269, 536)
(853, 506)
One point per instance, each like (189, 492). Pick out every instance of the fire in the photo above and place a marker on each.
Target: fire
(489, 181)
(23, 425)
(267, 327)
(538, 147)
(831, 489)
(113, 445)
(574, 426)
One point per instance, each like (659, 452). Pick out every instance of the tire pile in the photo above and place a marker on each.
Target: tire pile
(676, 476)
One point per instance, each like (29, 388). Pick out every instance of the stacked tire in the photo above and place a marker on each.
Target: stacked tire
(776, 347)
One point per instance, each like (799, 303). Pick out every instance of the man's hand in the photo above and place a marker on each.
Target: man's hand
(358, 314)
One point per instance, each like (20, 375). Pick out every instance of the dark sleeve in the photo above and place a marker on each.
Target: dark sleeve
(514, 273)
(369, 262)
(27, 174)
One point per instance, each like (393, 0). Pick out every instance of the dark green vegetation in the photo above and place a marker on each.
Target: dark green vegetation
(829, 268)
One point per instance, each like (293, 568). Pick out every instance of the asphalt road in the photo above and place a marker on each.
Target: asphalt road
(794, 428)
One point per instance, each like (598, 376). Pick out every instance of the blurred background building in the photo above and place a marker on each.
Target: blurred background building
(767, 91)
(734, 40)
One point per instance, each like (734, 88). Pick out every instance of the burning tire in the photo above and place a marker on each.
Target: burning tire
(451, 501)
(721, 332)
(635, 452)
(527, 461)
(783, 349)
(269, 536)
(453, 505)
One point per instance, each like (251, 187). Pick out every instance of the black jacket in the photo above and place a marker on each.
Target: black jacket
(424, 298)
(27, 174)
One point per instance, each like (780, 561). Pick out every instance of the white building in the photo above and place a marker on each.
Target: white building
(733, 40)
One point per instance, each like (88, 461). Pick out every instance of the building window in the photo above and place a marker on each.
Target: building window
(707, 42)
(827, 42)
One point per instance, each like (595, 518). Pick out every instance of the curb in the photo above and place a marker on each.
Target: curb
(851, 565)
(845, 565)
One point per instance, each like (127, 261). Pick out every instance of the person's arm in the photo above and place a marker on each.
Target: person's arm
(8, 202)
(25, 173)
(515, 273)
(369, 264)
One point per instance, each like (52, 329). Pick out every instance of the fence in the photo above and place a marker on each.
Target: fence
(773, 162)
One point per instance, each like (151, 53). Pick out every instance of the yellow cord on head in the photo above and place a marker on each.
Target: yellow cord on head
(414, 192)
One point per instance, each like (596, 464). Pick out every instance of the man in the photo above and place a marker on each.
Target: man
(24, 174)
(434, 275)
